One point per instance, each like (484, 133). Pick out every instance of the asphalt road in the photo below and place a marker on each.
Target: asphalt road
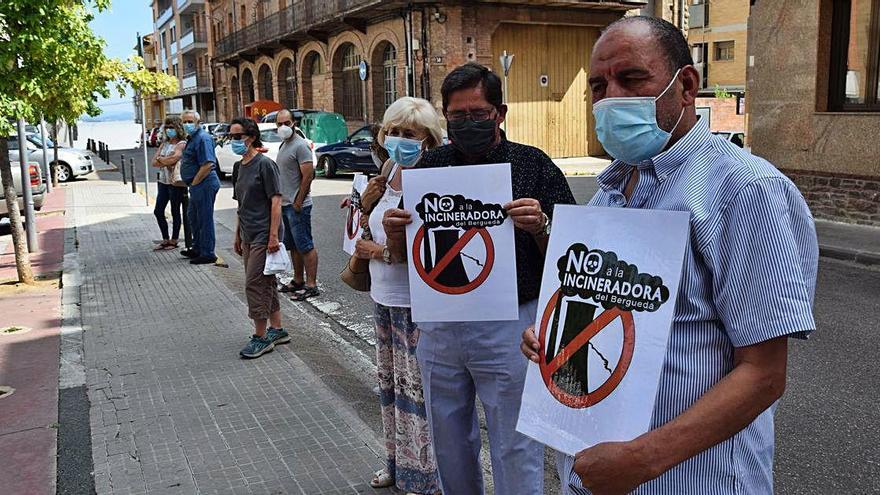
(828, 421)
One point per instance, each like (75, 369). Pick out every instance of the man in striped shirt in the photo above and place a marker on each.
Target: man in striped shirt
(747, 284)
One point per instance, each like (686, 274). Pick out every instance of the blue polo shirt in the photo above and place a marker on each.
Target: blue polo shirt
(199, 150)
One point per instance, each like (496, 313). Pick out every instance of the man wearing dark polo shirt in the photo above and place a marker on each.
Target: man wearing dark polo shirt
(197, 170)
(466, 359)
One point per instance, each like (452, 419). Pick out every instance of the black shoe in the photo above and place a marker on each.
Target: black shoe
(189, 253)
(203, 260)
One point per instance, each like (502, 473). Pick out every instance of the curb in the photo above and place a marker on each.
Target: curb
(844, 254)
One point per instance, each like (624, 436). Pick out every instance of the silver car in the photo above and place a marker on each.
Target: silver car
(71, 162)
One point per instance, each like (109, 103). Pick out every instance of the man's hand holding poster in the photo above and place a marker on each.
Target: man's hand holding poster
(462, 264)
(353, 228)
(605, 310)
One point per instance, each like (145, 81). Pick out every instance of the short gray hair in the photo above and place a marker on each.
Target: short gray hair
(193, 113)
(413, 113)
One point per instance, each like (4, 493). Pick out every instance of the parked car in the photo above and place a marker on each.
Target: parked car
(352, 154)
(271, 141)
(736, 137)
(38, 187)
(220, 131)
(72, 162)
(210, 126)
(155, 137)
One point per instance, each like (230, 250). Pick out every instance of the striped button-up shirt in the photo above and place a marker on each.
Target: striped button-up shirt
(749, 276)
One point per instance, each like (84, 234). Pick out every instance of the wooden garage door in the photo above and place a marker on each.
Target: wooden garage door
(557, 118)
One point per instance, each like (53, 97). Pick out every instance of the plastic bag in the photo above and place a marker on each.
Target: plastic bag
(278, 262)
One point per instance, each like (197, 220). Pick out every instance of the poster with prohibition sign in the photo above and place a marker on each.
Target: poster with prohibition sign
(605, 311)
(353, 229)
(462, 259)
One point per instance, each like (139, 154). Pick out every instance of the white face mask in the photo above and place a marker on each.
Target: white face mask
(285, 132)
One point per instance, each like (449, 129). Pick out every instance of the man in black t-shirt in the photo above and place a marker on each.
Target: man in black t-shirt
(466, 359)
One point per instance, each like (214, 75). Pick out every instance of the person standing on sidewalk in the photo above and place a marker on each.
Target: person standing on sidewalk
(171, 187)
(197, 171)
(257, 231)
(748, 280)
(462, 360)
(410, 126)
(297, 171)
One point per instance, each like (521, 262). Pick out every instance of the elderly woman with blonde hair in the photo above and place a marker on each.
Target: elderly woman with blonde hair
(410, 126)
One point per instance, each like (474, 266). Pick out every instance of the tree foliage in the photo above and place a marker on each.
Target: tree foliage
(51, 62)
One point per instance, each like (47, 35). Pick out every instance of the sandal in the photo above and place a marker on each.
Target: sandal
(382, 479)
(162, 246)
(170, 246)
(305, 293)
(292, 287)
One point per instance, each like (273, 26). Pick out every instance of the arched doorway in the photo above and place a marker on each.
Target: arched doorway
(312, 67)
(264, 79)
(347, 86)
(247, 87)
(384, 78)
(286, 84)
(236, 110)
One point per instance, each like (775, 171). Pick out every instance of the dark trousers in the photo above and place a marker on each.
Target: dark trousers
(173, 194)
(201, 214)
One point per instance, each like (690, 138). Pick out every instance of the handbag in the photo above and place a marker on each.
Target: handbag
(356, 273)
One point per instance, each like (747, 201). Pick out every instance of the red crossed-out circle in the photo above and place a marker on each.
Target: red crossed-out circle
(590, 331)
(353, 222)
(430, 278)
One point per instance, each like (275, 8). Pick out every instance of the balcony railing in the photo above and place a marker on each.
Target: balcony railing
(191, 38)
(192, 81)
(182, 5)
(297, 17)
(164, 16)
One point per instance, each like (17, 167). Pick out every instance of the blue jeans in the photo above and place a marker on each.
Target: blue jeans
(201, 214)
(465, 360)
(297, 229)
(168, 193)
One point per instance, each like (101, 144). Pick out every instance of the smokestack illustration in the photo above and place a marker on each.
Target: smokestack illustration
(454, 275)
(571, 377)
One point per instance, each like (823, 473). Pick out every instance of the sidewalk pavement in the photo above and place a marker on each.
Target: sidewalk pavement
(858, 243)
(173, 407)
(29, 359)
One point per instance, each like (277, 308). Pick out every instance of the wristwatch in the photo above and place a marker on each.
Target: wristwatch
(545, 230)
(386, 255)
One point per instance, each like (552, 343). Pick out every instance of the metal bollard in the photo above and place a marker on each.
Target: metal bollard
(131, 171)
(122, 166)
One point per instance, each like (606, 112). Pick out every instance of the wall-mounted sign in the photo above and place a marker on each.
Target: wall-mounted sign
(544, 80)
(362, 70)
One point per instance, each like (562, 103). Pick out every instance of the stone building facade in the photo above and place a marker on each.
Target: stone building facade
(815, 108)
(307, 54)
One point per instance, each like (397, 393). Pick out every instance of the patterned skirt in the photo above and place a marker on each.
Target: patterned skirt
(410, 454)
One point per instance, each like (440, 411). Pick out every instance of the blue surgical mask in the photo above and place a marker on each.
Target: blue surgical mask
(627, 126)
(171, 133)
(238, 146)
(404, 151)
(189, 127)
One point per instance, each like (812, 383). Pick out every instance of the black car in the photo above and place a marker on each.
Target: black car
(352, 154)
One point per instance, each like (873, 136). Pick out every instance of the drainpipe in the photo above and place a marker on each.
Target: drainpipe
(410, 76)
(426, 72)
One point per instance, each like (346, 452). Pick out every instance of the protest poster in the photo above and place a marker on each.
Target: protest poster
(605, 311)
(353, 229)
(460, 243)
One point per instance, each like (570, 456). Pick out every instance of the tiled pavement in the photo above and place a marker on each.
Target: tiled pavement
(173, 408)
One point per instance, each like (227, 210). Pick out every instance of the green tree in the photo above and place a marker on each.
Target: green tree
(53, 63)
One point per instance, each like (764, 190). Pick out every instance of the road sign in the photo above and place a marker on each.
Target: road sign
(362, 70)
(506, 61)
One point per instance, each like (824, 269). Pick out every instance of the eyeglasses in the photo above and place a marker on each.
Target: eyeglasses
(237, 137)
(481, 115)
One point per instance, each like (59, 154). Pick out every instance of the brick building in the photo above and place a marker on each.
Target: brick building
(183, 48)
(717, 32)
(815, 107)
(307, 54)
(153, 106)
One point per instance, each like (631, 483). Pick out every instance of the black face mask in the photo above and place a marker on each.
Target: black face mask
(472, 138)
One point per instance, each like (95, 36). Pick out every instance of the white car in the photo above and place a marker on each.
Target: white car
(71, 163)
(271, 141)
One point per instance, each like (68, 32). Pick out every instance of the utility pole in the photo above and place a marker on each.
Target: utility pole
(143, 131)
(47, 172)
(29, 217)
